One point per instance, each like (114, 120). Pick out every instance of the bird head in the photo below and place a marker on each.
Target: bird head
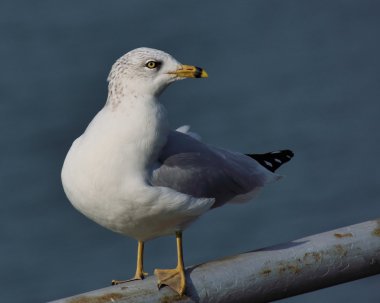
(149, 71)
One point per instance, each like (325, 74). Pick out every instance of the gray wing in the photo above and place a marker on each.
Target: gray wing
(197, 169)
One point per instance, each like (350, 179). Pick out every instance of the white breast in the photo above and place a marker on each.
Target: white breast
(106, 170)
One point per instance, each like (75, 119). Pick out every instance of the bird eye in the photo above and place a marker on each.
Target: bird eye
(151, 64)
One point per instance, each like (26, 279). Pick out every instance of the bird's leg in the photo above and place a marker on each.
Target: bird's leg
(140, 274)
(174, 278)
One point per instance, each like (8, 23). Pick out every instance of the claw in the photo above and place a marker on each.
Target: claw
(174, 278)
(138, 276)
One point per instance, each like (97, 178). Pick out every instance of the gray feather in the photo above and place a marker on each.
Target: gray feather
(197, 169)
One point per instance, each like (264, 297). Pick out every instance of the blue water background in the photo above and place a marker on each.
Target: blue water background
(303, 75)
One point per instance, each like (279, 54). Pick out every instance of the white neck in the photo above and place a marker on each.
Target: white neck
(132, 130)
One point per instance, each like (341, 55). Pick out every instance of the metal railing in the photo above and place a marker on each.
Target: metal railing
(264, 275)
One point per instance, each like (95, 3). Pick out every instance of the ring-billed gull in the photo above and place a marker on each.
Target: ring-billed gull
(130, 173)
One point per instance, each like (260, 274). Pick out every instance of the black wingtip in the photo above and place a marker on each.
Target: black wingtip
(273, 160)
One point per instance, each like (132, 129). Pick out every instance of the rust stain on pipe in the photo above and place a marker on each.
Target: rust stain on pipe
(294, 268)
(311, 257)
(340, 250)
(289, 266)
(376, 231)
(343, 235)
(97, 299)
(265, 272)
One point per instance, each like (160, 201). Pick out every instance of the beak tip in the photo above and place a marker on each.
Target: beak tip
(190, 71)
(200, 73)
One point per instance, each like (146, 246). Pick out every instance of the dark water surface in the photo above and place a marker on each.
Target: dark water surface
(283, 74)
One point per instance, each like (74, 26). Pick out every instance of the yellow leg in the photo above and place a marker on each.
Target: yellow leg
(140, 274)
(174, 278)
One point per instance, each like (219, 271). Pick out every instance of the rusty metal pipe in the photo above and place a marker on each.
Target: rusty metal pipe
(268, 274)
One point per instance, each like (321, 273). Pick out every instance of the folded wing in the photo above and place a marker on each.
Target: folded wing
(200, 170)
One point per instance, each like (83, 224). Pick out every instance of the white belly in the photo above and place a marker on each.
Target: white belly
(104, 192)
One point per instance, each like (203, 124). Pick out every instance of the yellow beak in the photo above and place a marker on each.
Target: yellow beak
(189, 71)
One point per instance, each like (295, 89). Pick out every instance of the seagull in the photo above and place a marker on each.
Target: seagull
(132, 174)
